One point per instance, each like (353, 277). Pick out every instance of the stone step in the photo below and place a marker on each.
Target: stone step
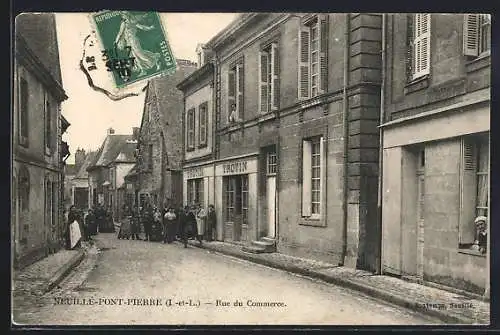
(253, 249)
(267, 246)
(268, 239)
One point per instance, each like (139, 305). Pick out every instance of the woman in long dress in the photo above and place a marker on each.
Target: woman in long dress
(127, 37)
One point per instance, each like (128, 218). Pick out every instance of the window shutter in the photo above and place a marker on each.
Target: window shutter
(422, 44)
(263, 63)
(231, 91)
(471, 34)
(466, 230)
(303, 79)
(191, 122)
(410, 58)
(275, 92)
(240, 89)
(306, 178)
(202, 124)
(323, 53)
(322, 173)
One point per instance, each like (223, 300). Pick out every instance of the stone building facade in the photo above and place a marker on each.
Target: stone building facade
(37, 172)
(296, 139)
(436, 126)
(159, 148)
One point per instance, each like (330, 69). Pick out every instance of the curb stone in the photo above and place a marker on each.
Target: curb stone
(346, 282)
(64, 271)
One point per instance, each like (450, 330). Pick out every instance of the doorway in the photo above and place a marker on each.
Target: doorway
(271, 168)
(236, 207)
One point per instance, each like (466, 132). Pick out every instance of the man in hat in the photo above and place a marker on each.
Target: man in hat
(481, 241)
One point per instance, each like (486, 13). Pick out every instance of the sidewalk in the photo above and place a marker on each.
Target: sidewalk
(444, 305)
(45, 274)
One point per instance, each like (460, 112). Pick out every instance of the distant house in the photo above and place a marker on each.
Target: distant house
(77, 185)
(37, 169)
(160, 139)
(107, 170)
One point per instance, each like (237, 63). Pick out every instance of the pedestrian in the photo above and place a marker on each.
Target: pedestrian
(73, 232)
(135, 224)
(169, 219)
(184, 222)
(201, 216)
(100, 215)
(211, 223)
(147, 221)
(89, 224)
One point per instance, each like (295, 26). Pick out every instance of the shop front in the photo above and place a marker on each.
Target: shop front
(198, 186)
(236, 199)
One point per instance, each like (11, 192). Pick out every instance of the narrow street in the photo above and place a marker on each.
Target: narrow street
(114, 286)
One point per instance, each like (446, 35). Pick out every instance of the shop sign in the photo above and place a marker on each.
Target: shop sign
(236, 167)
(194, 173)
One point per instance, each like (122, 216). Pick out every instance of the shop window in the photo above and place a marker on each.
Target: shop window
(235, 90)
(419, 42)
(477, 34)
(312, 166)
(195, 189)
(23, 112)
(203, 125)
(474, 206)
(190, 130)
(269, 78)
(236, 196)
(313, 51)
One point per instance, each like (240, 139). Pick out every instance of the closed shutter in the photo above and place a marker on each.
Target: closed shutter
(203, 124)
(306, 178)
(471, 34)
(263, 64)
(410, 38)
(275, 92)
(231, 91)
(240, 75)
(323, 53)
(422, 44)
(190, 130)
(303, 78)
(466, 230)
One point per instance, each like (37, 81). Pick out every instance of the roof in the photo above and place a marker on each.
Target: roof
(133, 171)
(82, 172)
(127, 152)
(109, 150)
(196, 76)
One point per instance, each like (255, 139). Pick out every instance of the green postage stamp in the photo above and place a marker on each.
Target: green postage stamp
(134, 45)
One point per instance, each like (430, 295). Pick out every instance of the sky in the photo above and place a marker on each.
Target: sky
(91, 113)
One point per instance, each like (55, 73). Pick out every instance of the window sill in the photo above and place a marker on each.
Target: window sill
(417, 84)
(471, 252)
(202, 146)
(312, 221)
(482, 61)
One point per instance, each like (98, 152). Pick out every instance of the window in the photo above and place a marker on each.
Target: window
(236, 83)
(474, 186)
(195, 194)
(48, 125)
(477, 34)
(313, 63)
(419, 29)
(23, 112)
(272, 163)
(150, 157)
(203, 124)
(269, 78)
(190, 129)
(236, 192)
(312, 177)
(24, 189)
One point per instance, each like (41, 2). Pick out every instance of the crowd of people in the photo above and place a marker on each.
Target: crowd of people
(89, 224)
(169, 224)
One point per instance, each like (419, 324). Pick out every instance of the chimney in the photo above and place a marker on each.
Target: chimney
(79, 157)
(111, 131)
(135, 133)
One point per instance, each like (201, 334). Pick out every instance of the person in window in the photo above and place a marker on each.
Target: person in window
(481, 241)
(211, 223)
(233, 116)
(201, 216)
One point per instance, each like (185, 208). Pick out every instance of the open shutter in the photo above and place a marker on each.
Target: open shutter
(240, 89)
(466, 230)
(471, 34)
(422, 44)
(263, 64)
(323, 53)
(303, 79)
(231, 91)
(275, 90)
(410, 50)
(306, 178)
(202, 121)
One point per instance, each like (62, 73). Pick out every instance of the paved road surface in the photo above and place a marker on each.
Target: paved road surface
(198, 284)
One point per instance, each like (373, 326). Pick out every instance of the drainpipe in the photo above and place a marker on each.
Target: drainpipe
(381, 145)
(345, 123)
